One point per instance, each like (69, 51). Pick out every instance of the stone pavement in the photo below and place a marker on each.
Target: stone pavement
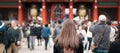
(38, 49)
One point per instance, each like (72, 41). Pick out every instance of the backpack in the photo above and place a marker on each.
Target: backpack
(27, 33)
(81, 36)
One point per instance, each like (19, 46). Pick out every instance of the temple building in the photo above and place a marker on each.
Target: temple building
(49, 10)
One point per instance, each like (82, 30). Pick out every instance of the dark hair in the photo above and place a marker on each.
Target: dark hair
(109, 22)
(46, 25)
(34, 22)
(27, 25)
(102, 22)
(59, 22)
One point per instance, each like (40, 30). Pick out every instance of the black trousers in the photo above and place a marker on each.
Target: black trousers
(46, 41)
(28, 40)
(89, 40)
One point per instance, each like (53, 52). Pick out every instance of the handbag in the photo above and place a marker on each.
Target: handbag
(27, 33)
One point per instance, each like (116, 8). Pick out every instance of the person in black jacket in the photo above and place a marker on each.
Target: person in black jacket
(68, 41)
(15, 37)
(115, 47)
(38, 31)
(33, 35)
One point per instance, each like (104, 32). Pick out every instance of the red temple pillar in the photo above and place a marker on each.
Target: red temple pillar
(71, 10)
(44, 15)
(20, 13)
(95, 10)
(118, 11)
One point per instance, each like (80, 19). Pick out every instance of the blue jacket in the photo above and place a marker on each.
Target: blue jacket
(46, 32)
(2, 27)
(3, 33)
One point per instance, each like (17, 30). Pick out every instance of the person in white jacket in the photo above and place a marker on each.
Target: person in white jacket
(112, 32)
(89, 36)
(82, 34)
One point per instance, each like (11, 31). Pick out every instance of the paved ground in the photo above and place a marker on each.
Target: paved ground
(38, 49)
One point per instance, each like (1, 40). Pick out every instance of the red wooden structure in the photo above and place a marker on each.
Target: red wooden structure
(19, 4)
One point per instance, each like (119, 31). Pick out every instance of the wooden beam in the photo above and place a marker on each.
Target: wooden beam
(8, 0)
(8, 6)
(83, 0)
(107, 6)
(57, 0)
(107, 0)
(31, 0)
(69, 0)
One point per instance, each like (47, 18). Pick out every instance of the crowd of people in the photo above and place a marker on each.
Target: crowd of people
(68, 37)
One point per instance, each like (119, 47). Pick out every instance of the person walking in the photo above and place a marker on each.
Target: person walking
(101, 31)
(15, 37)
(82, 34)
(45, 34)
(38, 31)
(89, 37)
(57, 29)
(27, 35)
(33, 35)
(68, 41)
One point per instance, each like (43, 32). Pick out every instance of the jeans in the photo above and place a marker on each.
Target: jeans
(100, 51)
(46, 41)
(89, 41)
(32, 42)
(28, 42)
